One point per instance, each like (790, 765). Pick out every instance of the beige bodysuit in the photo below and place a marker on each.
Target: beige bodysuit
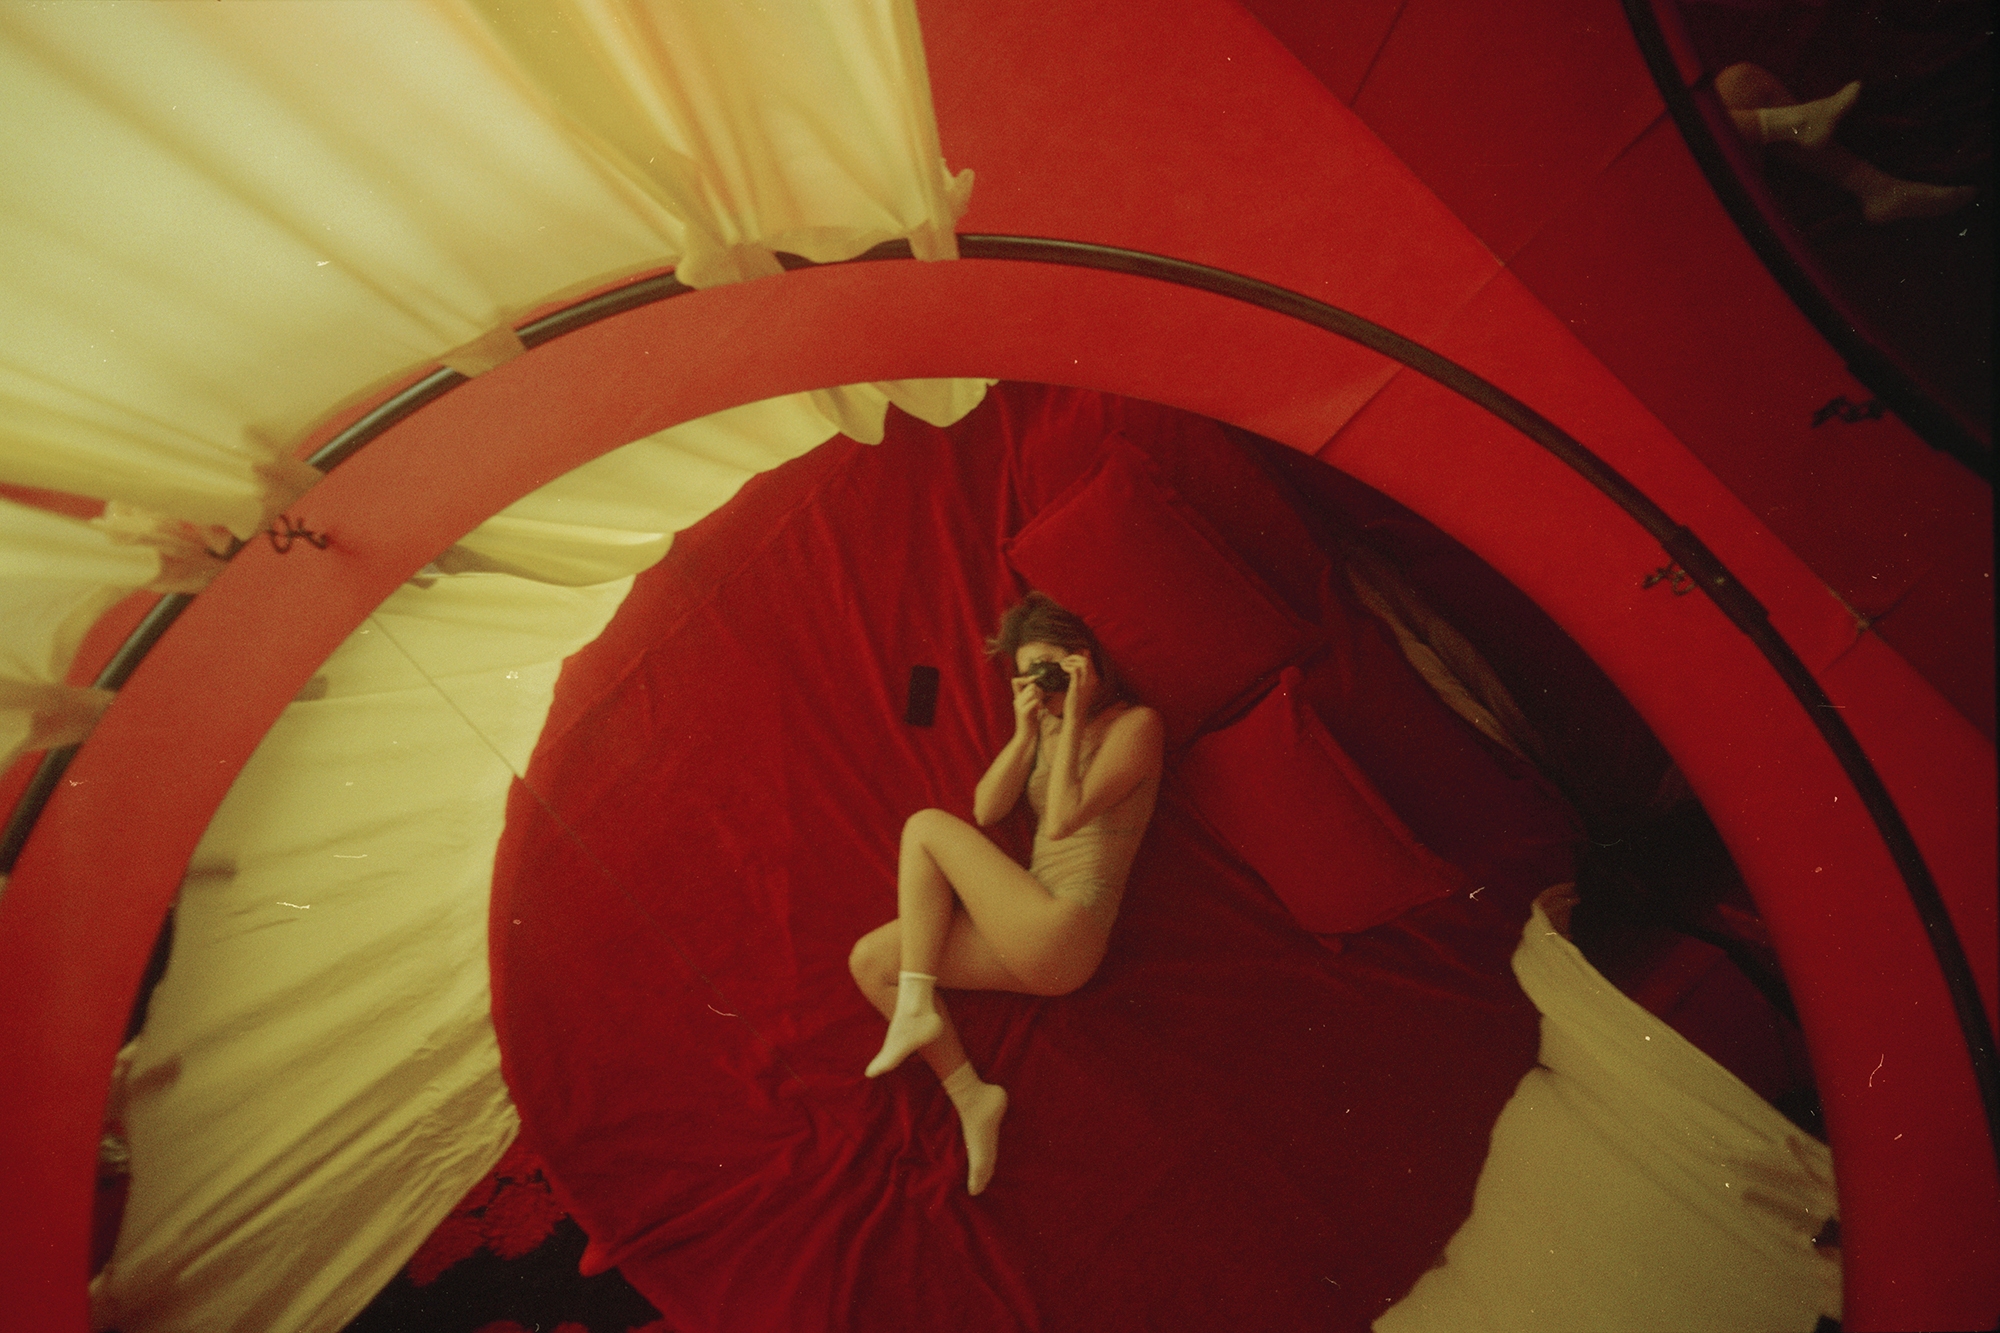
(1091, 864)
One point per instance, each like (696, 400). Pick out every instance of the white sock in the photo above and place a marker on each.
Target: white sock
(1885, 198)
(915, 1022)
(980, 1106)
(1809, 124)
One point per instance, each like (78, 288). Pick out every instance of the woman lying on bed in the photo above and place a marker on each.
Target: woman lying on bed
(968, 916)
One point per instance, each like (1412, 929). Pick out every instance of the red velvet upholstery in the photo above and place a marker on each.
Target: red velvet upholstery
(1287, 799)
(1192, 629)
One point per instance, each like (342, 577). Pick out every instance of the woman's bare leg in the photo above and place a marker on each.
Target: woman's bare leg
(967, 964)
(1765, 113)
(970, 918)
(1038, 938)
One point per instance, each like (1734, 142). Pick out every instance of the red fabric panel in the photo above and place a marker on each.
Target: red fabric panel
(1188, 625)
(1222, 1129)
(1507, 110)
(1287, 799)
(1338, 43)
(1308, 201)
(1650, 274)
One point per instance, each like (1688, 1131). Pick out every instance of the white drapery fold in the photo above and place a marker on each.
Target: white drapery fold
(226, 219)
(1633, 1184)
(321, 1046)
(616, 515)
(748, 166)
(57, 576)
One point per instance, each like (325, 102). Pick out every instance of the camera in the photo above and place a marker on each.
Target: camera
(1049, 676)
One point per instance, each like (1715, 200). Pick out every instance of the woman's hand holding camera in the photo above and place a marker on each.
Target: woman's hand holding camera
(1082, 685)
(1028, 707)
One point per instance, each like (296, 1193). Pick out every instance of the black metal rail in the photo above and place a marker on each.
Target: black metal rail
(1683, 548)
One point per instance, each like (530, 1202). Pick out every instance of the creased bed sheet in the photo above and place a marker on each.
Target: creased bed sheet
(1231, 1126)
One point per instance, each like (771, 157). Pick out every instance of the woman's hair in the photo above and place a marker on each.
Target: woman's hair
(1037, 618)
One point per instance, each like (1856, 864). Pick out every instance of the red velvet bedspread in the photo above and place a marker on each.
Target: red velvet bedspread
(1231, 1126)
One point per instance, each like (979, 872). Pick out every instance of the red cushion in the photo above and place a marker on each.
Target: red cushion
(1190, 627)
(1216, 471)
(1286, 797)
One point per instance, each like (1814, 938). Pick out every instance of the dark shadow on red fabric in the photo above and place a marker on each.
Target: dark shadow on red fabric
(1606, 761)
(1230, 1126)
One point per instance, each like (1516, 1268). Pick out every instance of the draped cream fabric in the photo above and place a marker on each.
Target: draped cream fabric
(220, 222)
(1633, 1185)
(617, 514)
(333, 923)
(749, 165)
(57, 576)
(317, 1082)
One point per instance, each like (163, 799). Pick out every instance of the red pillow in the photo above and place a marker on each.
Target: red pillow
(1192, 629)
(1213, 470)
(1285, 796)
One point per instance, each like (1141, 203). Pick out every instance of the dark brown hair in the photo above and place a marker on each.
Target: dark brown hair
(1037, 618)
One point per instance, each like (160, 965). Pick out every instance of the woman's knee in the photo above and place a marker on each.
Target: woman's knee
(1745, 87)
(920, 827)
(876, 956)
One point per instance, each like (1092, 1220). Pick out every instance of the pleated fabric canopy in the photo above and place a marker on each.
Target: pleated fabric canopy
(229, 220)
(233, 229)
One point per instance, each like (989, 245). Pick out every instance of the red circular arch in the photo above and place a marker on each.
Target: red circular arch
(94, 883)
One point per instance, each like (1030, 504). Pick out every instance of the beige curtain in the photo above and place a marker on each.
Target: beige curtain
(220, 222)
(57, 576)
(317, 1082)
(617, 514)
(1633, 1184)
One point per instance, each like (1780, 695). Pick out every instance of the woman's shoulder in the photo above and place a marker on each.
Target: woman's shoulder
(1135, 720)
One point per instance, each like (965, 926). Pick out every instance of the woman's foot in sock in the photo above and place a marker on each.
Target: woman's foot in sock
(980, 1106)
(915, 1023)
(1892, 200)
(1807, 125)
(907, 1032)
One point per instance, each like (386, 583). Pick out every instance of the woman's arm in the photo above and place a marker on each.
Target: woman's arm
(1132, 751)
(1000, 788)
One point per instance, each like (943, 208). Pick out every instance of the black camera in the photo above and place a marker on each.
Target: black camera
(1049, 676)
